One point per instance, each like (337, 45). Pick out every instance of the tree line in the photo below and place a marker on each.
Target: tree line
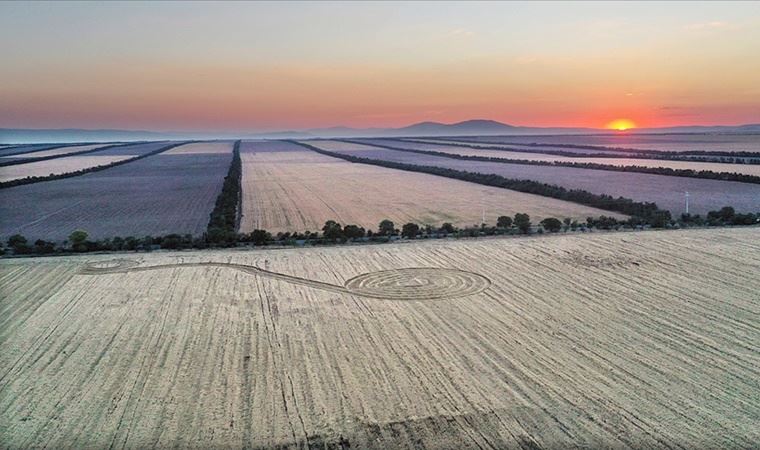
(641, 212)
(76, 173)
(334, 233)
(224, 219)
(689, 173)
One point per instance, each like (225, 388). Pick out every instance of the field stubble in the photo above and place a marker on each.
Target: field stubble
(747, 169)
(666, 191)
(295, 189)
(643, 340)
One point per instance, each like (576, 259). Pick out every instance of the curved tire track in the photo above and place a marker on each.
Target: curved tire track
(414, 283)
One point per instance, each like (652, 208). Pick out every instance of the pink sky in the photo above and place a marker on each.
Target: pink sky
(250, 66)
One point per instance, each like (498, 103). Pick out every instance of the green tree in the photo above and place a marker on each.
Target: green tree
(78, 240)
(78, 237)
(332, 230)
(130, 243)
(504, 222)
(353, 232)
(16, 240)
(260, 237)
(448, 228)
(118, 243)
(19, 244)
(386, 228)
(661, 219)
(410, 230)
(43, 247)
(522, 222)
(551, 224)
(171, 241)
(147, 243)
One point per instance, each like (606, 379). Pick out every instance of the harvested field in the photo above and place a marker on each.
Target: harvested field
(295, 189)
(54, 152)
(134, 149)
(26, 148)
(536, 149)
(157, 195)
(666, 191)
(56, 166)
(619, 340)
(67, 164)
(199, 148)
(693, 155)
(748, 169)
(662, 142)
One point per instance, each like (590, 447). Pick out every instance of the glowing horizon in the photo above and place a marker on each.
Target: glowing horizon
(621, 125)
(268, 66)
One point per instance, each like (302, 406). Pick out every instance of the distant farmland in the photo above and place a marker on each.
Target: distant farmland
(26, 148)
(608, 340)
(289, 188)
(158, 195)
(66, 164)
(53, 152)
(749, 169)
(199, 148)
(666, 191)
(662, 142)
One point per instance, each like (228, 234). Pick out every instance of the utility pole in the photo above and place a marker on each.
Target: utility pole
(687, 202)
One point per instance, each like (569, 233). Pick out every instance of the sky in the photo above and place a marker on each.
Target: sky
(282, 66)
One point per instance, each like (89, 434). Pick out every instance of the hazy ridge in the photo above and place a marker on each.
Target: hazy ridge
(477, 127)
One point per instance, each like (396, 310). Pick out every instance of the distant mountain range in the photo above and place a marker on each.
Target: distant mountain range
(478, 127)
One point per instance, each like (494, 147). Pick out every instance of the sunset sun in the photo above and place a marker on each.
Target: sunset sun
(621, 124)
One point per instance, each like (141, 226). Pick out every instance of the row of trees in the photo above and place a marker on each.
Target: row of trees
(223, 221)
(78, 242)
(689, 173)
(76, 173)
(642, 212)
(722, 217)
(333, 232)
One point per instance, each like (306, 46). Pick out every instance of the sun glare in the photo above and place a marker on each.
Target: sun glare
(621, 124)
